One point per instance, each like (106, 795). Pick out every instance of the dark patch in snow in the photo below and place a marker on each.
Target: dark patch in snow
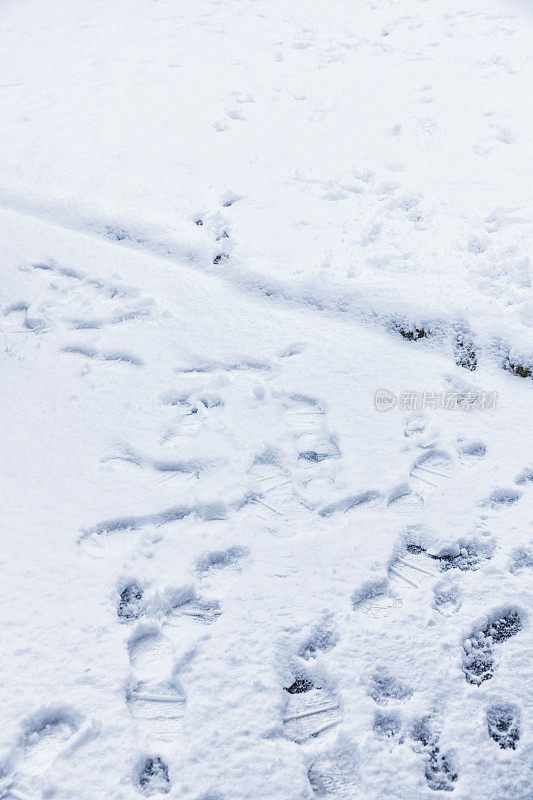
(299, 686)
(464, 352)
(153, 777)
(386, 725)
(503, 722)
(386, 688)
(478, 656)
(502, 497)
(130, 605)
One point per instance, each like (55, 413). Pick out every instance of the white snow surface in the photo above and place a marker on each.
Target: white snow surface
(225, 226)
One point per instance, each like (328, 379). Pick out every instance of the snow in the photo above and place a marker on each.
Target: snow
(225, 227)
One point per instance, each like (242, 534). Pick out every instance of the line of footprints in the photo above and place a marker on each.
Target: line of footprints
(156, 698)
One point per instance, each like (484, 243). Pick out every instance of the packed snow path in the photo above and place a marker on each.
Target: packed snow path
(227, 573)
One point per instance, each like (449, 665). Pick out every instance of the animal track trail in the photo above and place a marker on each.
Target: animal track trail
(154, 698)
(322, 639)
(386, 689)
(479, 658)
(217, 225)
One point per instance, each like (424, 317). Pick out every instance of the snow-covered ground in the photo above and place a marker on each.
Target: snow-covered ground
(229, 571)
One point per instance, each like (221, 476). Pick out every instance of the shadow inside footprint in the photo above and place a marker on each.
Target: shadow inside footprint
(387, 725)
(439, 772)
(310, 710)
(322, 640)
(478, 656)
(385, 688)
(153, 777)
(503, 722)
(502, 497)
(130, 605)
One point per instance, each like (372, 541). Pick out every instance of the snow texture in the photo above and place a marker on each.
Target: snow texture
(240, 240)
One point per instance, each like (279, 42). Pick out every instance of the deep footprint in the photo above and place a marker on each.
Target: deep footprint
(130, 605)
(478, 656)
(153, 777)
(439, 772)
(503, 722)
(310, 710)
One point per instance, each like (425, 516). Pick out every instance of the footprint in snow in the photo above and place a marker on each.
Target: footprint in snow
(385, 688)
(274, 497)
(335, 775)
(447, 598)
(503, 723)
(362, 502)
(406, 573)
(111, 356)
(46, 734)
(218, 569)
(403, 500)
(197, 609)
(306, 419)
(130, 605)
(472, 452)
(322, 639)
(479, 659)
(412, 566)
(185, 605)
(439, 771)
(154, 698)
(432, 471)
(500, 498)
(153, 777)
(525, 477)
(311, 709)
(387, 725)
(521, 559)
